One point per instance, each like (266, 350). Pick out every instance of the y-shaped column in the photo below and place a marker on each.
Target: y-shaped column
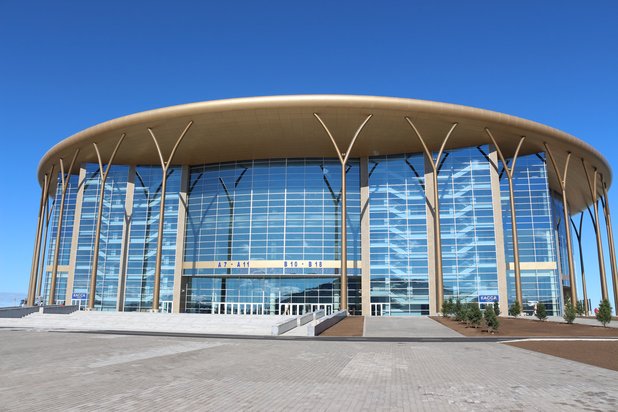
(509, 175)
(65, 185)
(37, 242)
(164, 168)
(97, 233)
(592, 186)
(343, 158)
(578, 234)
(436, 208)
(562, 180)
(610, 241)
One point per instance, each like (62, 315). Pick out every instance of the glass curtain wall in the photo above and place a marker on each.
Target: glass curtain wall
(467, 225)
(143, 236)
(560, 235)
(66, 234)
(267, 232)
(111, 234)
(399, 265)
(535, 228)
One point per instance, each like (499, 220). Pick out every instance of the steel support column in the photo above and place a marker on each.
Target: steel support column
(343, 158)
(562, 180)
(592, 185)
(610, 242)
(436, 207)
(97, 233)
(509, 175)
(65, 177)
(37, 240)
(164, 168)
(578, 234)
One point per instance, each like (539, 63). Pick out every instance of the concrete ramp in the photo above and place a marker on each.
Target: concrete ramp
(406, 327)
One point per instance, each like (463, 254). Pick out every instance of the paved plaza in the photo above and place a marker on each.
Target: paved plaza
(407, 327)
(82, 371)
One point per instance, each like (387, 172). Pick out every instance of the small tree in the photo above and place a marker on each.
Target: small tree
(580, 308)
(465, 312)
(604, 315)
(496, 308)
(447, 307)
(491, 320)
(569, 311)
(515, 309)
(474, 314)
(541, 311)
(458, 311)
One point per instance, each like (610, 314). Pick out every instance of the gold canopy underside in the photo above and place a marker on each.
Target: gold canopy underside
(284, 127)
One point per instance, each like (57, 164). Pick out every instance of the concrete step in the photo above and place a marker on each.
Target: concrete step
(142, 321)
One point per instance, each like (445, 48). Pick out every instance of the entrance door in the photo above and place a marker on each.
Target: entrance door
(327, 307)
(166, 306)
(293, 309)
(380, 309)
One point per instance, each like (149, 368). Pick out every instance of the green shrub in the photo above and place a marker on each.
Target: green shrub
(580, 308)
(569, 312)
(515, 309)
(604, 315)
(541, 311)
(491, 320)
(474, 314)
(496, 309)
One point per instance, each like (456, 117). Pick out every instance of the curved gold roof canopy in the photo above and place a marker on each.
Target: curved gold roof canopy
(284, 126)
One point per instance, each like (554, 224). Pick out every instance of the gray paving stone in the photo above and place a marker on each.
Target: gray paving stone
(67, 371)
(414, 326)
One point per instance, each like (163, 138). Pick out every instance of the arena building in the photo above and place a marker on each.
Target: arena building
(287, 204)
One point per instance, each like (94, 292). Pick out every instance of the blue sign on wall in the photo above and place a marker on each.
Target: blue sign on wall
(488, 298)
(79, 296)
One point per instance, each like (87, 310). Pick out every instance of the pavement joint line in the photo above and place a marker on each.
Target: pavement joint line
(600, 339)
(421, 339)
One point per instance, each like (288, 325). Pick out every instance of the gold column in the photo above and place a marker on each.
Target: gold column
(164, 167)
(562, 180)
(436, 208)
(509, 175)
(578, 234)
(592, 186)
(48, 213)
(343, 158)
(97, 233)
(177, 304)
(365, 238)
(610, 241)
(496, 200)
(37, 239)
(65, 177)
(126, 229)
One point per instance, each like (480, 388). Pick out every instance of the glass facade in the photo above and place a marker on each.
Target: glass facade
(269, 230)
(264, 237)
(399, 265)
(535, 228)
(143, 235)
(469, 261)
(66, 233)
(110, 243)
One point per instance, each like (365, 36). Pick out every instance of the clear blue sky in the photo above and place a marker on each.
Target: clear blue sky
(67, 65)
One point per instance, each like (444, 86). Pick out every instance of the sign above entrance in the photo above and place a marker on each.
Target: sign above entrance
(79, 296)
(268, 264)
(488, 298)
